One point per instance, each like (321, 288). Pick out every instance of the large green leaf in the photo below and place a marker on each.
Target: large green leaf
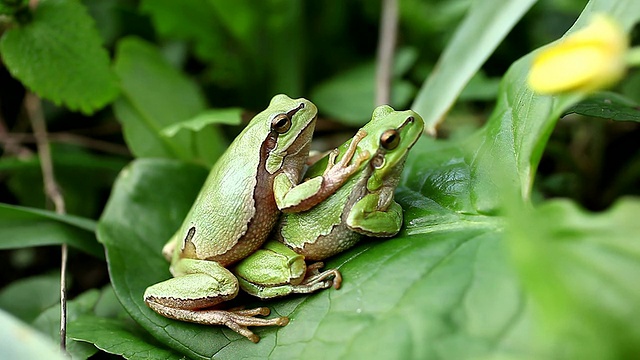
(118, 336)
(445, 287)
(59, 55)
(484, 27)
(136, 228)
(426, 276)
(24, 227)
(583, 271)
(145, 113)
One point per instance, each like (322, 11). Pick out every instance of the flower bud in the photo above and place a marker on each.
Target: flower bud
(589, 59)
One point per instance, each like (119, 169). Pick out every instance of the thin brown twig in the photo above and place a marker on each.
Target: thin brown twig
(33, 106)
(68, 138)
(386, 49)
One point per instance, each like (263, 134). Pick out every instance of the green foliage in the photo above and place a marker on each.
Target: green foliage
(582, 269)
(607, 105)
(485, 266)
(58, 54)
(262, 41)
(48, 322)
(464, 55)
(118, 337)
(10, 7)
(18, 299)
(231, 116)
(21, 227)
(350, 96)
(144, 114)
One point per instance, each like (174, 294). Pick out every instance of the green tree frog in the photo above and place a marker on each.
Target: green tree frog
(236, 209)
(363, 205)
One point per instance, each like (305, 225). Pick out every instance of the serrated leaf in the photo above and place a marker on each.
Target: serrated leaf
(19, 341)
(59, 55)
(24, 227)
(607, 105)
(155, 96)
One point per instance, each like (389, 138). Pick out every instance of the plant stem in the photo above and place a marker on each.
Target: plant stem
(33, 106)
(386, 47)
(65, 138)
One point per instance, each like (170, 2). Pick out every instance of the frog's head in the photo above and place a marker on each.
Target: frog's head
(289, 124)
(390, 136)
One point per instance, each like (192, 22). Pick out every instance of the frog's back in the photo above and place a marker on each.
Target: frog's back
(224, 209)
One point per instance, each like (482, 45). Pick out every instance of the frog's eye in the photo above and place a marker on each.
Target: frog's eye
(390, 139)
(281, 123)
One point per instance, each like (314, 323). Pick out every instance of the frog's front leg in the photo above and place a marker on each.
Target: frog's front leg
(292, 198)
(376, 214)
(276, 270)
(199, 285)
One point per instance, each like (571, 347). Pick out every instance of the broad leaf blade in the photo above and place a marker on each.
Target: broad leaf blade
(125, 233)
(59, 55)
(413, 269)
(49, 322)
(583, 271)
(117, 336)
(24, 227)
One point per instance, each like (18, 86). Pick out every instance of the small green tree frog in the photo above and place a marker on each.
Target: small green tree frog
(363, 205)
(236, 209)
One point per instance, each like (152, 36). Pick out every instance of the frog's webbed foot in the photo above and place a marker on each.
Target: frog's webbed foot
(236, 320)
(331, 277)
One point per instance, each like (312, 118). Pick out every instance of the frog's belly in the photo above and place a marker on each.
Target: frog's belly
(338, 240)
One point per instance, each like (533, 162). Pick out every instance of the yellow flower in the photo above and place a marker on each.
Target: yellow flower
(589, 59)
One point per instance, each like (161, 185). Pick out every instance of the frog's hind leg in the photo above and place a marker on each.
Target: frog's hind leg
(201, 284)
(236, 320)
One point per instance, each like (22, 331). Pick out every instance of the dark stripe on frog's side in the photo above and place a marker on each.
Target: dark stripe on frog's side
(266, 212)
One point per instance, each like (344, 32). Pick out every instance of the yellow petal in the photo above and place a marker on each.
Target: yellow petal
(587, 60)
